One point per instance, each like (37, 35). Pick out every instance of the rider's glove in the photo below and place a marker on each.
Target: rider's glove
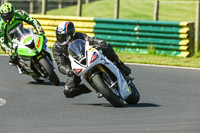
(8, 50)
(100, 41)
(41, 33)
(69, 73)
(11, 52)
(40, 30)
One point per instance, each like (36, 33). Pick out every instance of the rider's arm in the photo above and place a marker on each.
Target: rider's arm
(24, 16)
(5, 45)
(93, 41)
(62, 61)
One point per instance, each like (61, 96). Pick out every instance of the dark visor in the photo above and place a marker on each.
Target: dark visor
(7, 17)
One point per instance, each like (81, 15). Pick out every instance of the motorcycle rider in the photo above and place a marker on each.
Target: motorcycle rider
(11, 18)
(65, 34)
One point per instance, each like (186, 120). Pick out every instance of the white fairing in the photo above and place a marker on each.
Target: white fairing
(95, 57)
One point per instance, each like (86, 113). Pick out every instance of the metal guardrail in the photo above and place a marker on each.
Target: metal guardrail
(169, 38)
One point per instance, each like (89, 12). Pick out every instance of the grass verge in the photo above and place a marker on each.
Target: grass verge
(157, 59)
(1, 51)
(160, 60)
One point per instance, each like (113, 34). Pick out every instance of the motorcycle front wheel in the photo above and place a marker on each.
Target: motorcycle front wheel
(135, 95)
(49, 71)
(107, 93)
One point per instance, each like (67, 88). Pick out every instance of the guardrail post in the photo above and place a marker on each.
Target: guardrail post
(44, 6)
(156, 10)
(191, 45)
(4, 1)
(31, 6)
(116, 12)
(87, 1)
(197, 27)
(59, 4)
(79, 8)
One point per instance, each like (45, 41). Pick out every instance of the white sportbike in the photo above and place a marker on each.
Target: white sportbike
(100, 75)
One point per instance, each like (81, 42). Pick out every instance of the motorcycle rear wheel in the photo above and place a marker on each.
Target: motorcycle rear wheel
(107, 93)
(49, 71)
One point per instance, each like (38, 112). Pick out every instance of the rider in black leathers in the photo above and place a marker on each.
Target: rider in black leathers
(65, 34)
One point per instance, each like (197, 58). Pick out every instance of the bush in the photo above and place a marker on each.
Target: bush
(197, 55)
(151, 49)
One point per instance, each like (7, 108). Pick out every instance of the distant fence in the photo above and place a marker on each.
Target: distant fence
(35, 6)
(168, 38)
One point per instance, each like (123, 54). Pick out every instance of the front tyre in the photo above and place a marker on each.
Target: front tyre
(49, 71)
(107, 93)
(134, 97)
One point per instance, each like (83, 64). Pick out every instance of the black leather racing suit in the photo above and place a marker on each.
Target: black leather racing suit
(60, 53)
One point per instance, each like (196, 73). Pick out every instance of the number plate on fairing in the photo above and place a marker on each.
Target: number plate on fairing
(26, 39)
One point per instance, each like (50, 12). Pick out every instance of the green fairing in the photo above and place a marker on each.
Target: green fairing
(39, 43)
(29, 52)
(25, 52)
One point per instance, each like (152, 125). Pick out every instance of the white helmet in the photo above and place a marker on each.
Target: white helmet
(65, 31)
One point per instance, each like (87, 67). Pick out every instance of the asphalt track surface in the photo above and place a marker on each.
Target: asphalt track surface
(170, 103)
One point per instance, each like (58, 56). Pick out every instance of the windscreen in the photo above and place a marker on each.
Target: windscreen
(77, 49)
(18, 32)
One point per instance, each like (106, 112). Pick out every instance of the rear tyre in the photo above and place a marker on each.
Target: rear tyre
(49, 71)
(107, 93)
(134, 97)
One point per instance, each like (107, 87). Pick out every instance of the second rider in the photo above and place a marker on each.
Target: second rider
(65, 34)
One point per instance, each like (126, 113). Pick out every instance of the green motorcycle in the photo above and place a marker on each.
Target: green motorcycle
(33, 55)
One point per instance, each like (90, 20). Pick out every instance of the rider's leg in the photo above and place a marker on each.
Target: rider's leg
(73, 89)
(112, 56)
(13, 61)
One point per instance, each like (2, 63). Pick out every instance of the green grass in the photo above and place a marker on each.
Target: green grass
(157, 59)
(160, 60)
(133, 9)
(1, 51)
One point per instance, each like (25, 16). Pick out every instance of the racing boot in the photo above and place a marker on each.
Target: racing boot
(75, 91)
(125, 69)
(109, 52)
(13, 60)
(21, 69)
(37, 79)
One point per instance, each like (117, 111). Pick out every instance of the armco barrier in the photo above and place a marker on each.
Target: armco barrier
(169, 38)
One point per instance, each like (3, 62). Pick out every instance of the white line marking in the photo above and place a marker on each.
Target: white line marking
(2, 102)
(3, 55)
(177, 67)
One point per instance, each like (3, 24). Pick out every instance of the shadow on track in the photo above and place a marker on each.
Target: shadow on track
(45, 83)
(139, 105)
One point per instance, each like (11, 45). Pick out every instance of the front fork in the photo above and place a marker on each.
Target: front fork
(101, 69)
